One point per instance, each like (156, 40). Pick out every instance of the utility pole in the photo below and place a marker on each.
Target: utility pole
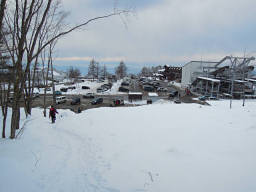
(233, 72)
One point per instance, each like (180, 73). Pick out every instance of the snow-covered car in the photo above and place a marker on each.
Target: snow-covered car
(89, 96)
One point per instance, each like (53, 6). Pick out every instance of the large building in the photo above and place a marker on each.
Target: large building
(194, 69)
(230, 76)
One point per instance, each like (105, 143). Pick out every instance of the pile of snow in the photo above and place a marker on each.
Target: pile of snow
(176, 84)
(186, 147)
(136, 102)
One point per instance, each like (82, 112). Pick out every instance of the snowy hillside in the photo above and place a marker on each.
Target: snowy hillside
(156, 148)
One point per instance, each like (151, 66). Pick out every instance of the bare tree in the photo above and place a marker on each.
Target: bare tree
(104, 72)
(5, 85)
(97, 68)
(2, 11)
(121, 70)
(73, 73)
(92, 69)
(27, 21)
(146, 71)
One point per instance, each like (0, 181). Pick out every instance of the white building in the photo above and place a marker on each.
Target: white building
(194, 69)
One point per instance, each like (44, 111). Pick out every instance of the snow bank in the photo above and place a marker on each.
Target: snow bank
(160, 147)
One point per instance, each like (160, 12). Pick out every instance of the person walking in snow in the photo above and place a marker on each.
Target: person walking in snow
(52, 113)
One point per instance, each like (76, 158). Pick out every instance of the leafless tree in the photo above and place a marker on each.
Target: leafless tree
(73, 73)
(5, 86)
(104, 72)
(146, 71)
(26, 21)
(121, 70)
(92, 69)
(2, 11)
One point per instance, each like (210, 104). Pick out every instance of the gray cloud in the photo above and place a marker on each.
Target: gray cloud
(168, 31)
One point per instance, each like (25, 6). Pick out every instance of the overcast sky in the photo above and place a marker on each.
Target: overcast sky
(158, 32)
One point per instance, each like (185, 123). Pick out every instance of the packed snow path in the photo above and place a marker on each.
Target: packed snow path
(161, 147)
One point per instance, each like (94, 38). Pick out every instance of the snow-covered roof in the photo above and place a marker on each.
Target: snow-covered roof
(157, 74)
(240, 81)
(161, 70)
(209, 79)
(135, 93)
(252, 80)
(151, 94)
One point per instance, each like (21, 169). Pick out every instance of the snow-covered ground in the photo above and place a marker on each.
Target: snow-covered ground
(157, 148)
(114, 89)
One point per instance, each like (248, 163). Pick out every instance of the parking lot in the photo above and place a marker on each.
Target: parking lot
(162, 88)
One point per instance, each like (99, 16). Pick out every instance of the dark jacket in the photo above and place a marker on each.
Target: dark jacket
(52, 112)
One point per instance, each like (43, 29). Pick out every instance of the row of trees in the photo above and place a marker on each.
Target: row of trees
(96, 71)
(29, 31)
(149, 71)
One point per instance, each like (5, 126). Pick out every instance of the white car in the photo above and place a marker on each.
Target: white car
(61, 99)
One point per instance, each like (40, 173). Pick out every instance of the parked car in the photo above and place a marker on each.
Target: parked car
(161, 89)
(85, 87)
(202, 98)
(213, 98)
(58, 93)
(75, 101)
(89, 96)
(48, 89)
(72, 87)
(100, 90)
(173, 94)
(177, 101)
(148, 88)
(106, 86)
(61, 99)
(125, 84)
(35, 95)
(123, 89)
(97, 101)
(63, 89)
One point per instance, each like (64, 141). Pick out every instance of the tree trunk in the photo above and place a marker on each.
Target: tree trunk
(15, 122)
(53, 86)
(2, 10)
(4, 122)
(44, 102)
